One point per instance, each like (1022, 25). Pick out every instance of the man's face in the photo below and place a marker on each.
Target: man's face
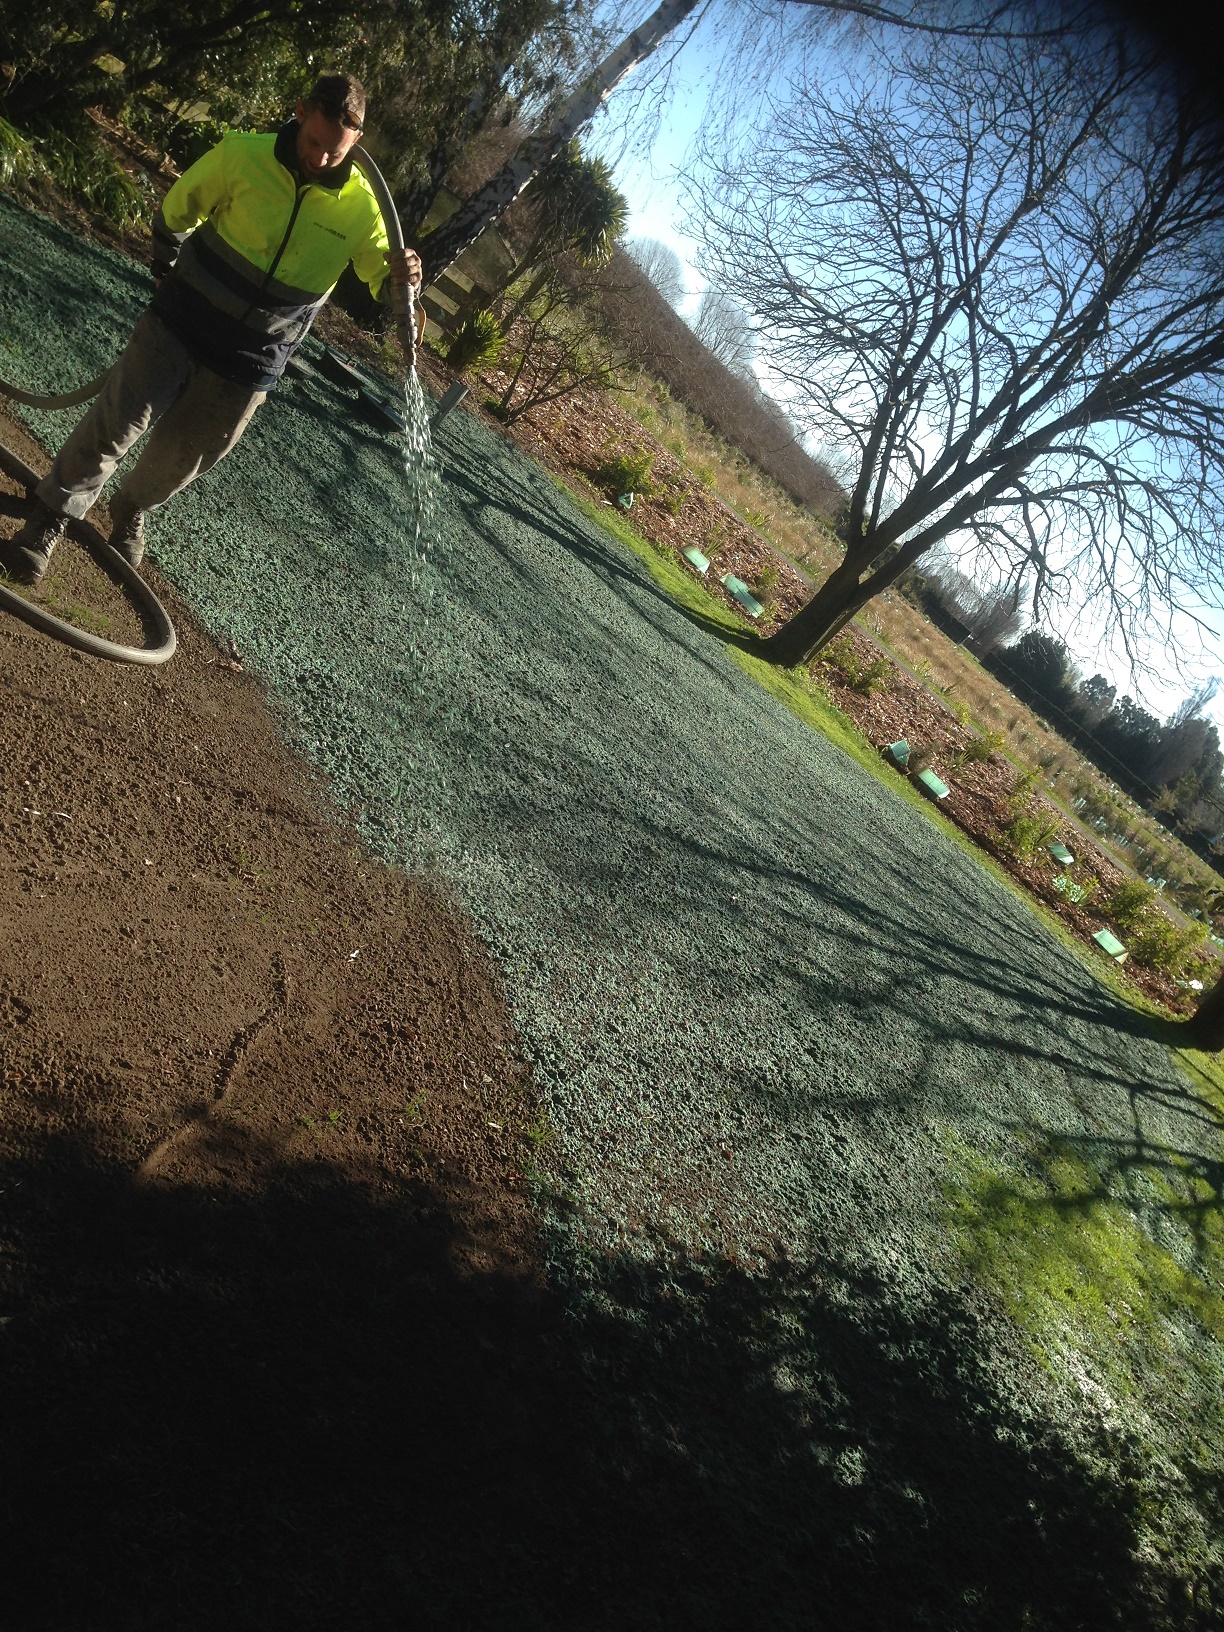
(322, 143)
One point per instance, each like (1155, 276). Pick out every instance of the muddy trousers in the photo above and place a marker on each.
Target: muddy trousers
(196, 417)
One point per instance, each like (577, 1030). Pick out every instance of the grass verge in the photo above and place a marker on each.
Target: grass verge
(1112, 1274)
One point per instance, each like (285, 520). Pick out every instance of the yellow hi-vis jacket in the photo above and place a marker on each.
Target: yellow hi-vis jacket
(248, 251)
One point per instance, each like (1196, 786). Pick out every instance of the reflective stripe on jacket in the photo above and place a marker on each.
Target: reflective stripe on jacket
(249, 251)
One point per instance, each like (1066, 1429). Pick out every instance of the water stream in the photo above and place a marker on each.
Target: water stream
(421, 469)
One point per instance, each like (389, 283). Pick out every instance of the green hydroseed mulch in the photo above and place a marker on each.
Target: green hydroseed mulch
(892, 1238)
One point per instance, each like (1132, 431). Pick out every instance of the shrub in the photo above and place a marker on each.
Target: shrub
(979, 749)
(477, 345)
(859, 676)
(1158, 943)
(1131, 903)
(1029, 831)
(628, 473)
(767, 582)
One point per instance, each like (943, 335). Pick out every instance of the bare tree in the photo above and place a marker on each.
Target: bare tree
(722, 326)
(996, 282)
(672, 24)
(660, 263)
(991, 614)
(557, 346)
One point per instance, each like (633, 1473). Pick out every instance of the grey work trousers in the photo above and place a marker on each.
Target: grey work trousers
(196, 417)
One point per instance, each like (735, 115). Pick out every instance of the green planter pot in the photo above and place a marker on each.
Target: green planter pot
(739, 591)
(1111, 945)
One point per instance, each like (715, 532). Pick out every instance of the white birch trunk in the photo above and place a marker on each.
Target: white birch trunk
(448, 242)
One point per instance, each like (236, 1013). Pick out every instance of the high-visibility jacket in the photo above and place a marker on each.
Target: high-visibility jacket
(249, 250)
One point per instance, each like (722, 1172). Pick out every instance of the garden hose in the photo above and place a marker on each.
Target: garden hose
(403, 296)
(69, 399)
(109, 558)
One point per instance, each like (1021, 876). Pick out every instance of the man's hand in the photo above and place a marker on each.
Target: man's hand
(405, 265)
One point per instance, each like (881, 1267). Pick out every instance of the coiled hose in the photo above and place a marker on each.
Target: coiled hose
(403, 304)
(153, 613)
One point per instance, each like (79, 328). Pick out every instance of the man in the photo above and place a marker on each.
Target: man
(247, 246)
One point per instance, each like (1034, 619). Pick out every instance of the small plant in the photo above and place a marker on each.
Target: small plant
(1029, 831)
(1078, 891)
(981, 749)
(1026, 781)
(1130, 903)
(1088, 884)
(767, 582)
(859, 676)
(477, 345)
(628, 473)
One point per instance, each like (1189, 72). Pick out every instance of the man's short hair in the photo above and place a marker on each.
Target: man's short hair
(341, 97)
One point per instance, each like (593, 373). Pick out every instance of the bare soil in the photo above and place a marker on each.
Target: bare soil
(271, 1319)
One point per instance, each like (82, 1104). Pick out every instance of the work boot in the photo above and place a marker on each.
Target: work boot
(127, 532)
(32, 546)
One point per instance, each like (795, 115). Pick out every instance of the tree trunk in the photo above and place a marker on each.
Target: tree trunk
(1205, 1028)
(828, 612)
(444, 246)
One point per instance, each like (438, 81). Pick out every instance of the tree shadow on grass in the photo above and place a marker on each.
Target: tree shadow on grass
(293, 1405)
(511, 492)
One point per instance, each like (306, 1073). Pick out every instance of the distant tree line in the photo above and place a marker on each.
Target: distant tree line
(1174, 767)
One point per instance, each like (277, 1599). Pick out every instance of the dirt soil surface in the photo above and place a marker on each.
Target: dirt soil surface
(271, 1325)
